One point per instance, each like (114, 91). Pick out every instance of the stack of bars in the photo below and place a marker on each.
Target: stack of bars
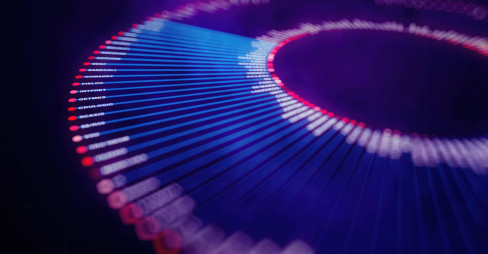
(202, 148)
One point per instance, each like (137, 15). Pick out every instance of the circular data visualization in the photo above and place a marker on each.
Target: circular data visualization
(192, 136)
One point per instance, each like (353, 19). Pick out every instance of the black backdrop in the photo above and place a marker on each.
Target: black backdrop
(49, 205)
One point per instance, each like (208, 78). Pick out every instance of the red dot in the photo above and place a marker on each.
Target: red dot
(82, 70)
(167, 242)
(135, 25)
(72, 118)
(74, 128)
(115, 37)
(362, 125)
(77, 138)
(345, 119)
(91, 57)
(323, 111)
(81, 149)
(87, 161)
(101, 46)
(354, 122)
(330, 114)
(76, 84)
(108, 42)
(71, 109)
(130, 213)
(72, 100)
(106, 186)
(96, 52)
(86, 63)
(73, 91)
(79, 76)
(121, 33)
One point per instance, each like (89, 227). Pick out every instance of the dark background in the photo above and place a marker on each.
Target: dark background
(49, 204)
(391, 80)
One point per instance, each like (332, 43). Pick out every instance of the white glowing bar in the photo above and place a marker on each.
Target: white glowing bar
(480, 153)
(444, 156)
(298, 246)
(419, 153)
(206, 240)
(365, 137)
(283, 99)
(94, 124)
(110, 142)
(301, 116)
(347, 129)
(405, 144)
(265, 246)
(314, 117)
(293, 110)
(101, 105)
(454, 153)
(187, 227)
(140, 208)
(123, 164)
(110, 154)
(384, 147)
(317, 122)
(237, 243)
(354, 135)
(288, 102)
(396, 151)
(374, 142)
(469, 156)
(433, 155)
(118, 199)
(339, 125)
(324, 127)
(165, 217)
